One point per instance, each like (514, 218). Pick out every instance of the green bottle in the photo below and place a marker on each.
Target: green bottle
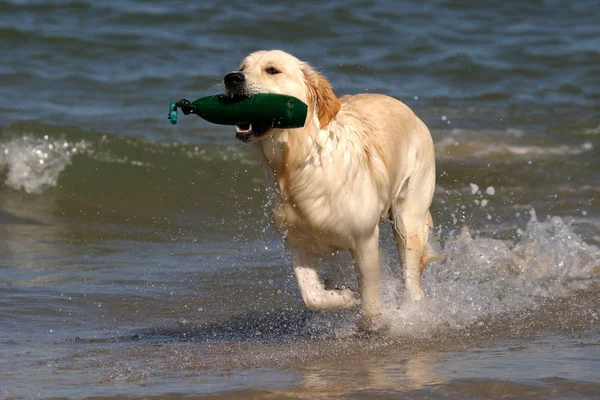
(265, 109)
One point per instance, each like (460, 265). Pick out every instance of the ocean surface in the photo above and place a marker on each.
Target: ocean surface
(137, 258)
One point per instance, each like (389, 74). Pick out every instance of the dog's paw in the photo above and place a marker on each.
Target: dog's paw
(417, 295)
(415, 292)
(349, 297)
(373, 324)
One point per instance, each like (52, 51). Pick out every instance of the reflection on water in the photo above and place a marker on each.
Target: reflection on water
(392, 373)
(28, 230)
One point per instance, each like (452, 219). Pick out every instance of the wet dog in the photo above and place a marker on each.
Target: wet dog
(358, 159)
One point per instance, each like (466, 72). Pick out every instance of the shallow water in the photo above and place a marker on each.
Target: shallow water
(137, 258)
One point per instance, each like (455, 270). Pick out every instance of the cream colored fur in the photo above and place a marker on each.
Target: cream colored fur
(358, 159)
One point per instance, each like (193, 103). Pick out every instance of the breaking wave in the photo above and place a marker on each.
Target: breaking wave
(501, 146)
(34, 164)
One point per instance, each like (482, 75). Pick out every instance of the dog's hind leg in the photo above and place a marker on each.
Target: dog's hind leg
(313, 291)
(411, 233)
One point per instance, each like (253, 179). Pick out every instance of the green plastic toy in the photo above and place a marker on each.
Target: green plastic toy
(267, 110)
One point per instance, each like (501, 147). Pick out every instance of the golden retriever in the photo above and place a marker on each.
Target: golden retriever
(357, 160)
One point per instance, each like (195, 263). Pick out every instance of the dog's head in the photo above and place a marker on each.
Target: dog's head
(278, 72)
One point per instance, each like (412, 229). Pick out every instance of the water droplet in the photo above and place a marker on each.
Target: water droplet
(474, 187)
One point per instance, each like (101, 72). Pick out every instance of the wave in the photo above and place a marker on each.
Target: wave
(502, 146)
(35, 164)
(35, 155)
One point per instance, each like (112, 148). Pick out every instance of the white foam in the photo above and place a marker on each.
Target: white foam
(467, 145)
(592, 131)
(35, 164)
(478, 278)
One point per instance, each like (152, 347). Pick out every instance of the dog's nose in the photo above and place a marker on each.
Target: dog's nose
(234, 79)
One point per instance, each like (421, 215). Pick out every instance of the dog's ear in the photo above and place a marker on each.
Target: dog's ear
(326, 102)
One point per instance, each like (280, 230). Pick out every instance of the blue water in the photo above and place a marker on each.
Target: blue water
(137, 258)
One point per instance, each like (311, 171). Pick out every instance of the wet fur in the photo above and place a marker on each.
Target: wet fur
(358, 159)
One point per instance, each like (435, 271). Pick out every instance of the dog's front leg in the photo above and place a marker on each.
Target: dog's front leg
(313, 291)
(366, 257)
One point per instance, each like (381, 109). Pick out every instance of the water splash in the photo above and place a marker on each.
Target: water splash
(34, 164)
(480, 278)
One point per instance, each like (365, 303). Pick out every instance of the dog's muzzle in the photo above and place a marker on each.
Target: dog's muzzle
(236, 87)
(235, 84)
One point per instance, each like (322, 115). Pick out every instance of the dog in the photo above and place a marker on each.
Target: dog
(358, 160)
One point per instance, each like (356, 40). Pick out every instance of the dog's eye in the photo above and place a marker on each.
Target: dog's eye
(272, 71)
